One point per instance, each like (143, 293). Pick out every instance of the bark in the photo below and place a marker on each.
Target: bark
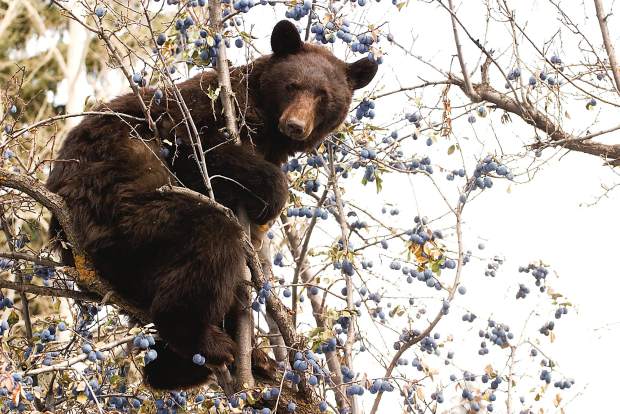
(609, 47)
(245, 323)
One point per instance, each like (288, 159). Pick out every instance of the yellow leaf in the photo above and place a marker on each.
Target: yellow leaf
(420, 393)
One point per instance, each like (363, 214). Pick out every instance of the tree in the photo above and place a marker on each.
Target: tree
(366, 279)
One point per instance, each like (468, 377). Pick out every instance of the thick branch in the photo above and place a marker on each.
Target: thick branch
(245, 332)
(542, 122)
(48, 291)
(85, 276)
(609, 47)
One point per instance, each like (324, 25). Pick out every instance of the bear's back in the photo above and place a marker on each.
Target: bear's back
(100, 162)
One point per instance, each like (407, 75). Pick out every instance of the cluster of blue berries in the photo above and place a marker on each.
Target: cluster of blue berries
(438, 396)
(46, 335)
(454, 173)
(366, 109)
(307, 212)
(323, 34)
(244, 6)
(292, 165)
(429, 344)
(490, 166)
(388, 139)
(169, 405)
(414, 118)
(139, 79)
(538, 271)
(328, 346)
(7, 155)
(564, 384)
(316, 161)
(381, 385)
(562, 310)
(263, 293)
(493, 266)
(547, 328)
(523, 291)
(469, 317)
(277, 259)
(426, 276)
(514, 74)
(551, 80)
(91, 354)
(6, 303)
(363, 44)
(4, 327)
(423, 165)
(545, 375)
(298, 11)
(497, 333)
(312, 186)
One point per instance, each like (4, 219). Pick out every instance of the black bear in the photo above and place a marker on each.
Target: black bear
(176, 258)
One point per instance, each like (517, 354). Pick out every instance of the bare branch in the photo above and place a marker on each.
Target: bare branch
(609, 47)
(459, 52)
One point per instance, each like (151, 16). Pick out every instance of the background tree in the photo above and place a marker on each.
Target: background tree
(374, 291)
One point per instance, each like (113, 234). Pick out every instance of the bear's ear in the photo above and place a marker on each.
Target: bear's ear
(360, 73)
(285, 38)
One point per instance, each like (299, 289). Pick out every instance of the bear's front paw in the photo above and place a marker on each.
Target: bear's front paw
(217, 347)
(268, 197)
(262, 213)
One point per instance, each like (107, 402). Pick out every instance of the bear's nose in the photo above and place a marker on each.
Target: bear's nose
(294, 128)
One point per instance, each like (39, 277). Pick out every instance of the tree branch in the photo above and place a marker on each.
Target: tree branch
(609, 47)
(49, 291)
(245, 331)
(459, 51)
(83, 275)
(541, 121)
(30, 258)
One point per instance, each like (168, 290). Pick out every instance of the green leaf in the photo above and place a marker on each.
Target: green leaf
(451, 149)
(13, 317)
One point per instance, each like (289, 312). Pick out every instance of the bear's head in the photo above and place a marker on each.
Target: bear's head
(304, 90)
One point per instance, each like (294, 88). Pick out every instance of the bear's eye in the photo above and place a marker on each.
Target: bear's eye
(293, 86)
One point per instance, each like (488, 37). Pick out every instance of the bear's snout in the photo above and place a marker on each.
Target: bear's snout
(294, 128)
(297, 120)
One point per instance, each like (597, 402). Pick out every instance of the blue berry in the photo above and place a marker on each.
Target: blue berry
(198, 359)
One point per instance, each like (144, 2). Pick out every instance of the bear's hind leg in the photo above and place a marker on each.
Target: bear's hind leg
(189, 258)
(170, 371)
(197, 288)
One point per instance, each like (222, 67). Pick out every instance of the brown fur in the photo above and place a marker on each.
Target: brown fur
(179, 259)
